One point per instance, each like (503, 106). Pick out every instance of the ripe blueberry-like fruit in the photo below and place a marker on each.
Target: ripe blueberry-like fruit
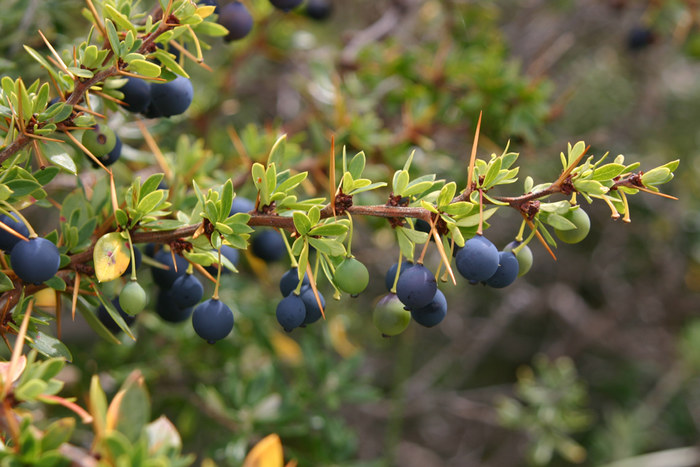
(391, 273)
(313, 312)
(99, 140)
(290, 280)
(227, 252)
(237, 19)
(169, 309)
(351, 276)
(524, 257)
(286, 5)
(390, 316)
(478, 260)
(187, 291)
(577, 216)
(241, 204)
(137, 94)
(36, 260)
(171, 98)
(432, 314)
(291, 312)
(212, 320)
(268, 246)
(319, 9)
(7, 240)
(133, 298)
(164, 278)
(416, 287)
(507, 270)
(107, 320)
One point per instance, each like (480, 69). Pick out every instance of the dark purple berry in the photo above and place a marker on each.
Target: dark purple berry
(7, 240)
(290, 280)
(212, 320)
(319, 9)
(137, 94)
(35, 260)
(107, 320)
(507, 271)
(313, 312)
(171, 98)
(241, 204)
(291, 312)
(478, 260)
(164, 278)
(237, 19)
(169, 309)
(187, 291)
(391, 273)
(268, 246)
(433, 313)
(416, 287)
(286, 5)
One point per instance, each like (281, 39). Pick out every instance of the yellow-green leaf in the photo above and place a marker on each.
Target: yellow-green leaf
(111, 257)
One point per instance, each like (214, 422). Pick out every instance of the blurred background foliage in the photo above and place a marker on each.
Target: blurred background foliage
(615, 316)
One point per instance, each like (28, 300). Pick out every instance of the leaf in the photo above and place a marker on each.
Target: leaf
(301, 222)
(150, 202)
(93, 321)
(447, 193)
(98, 405)
(492, 173)
(145, 68)
(113, 37)
(328, 246)
(49, 346)
(163, 436)
(135, 407)
(267, 453)
(111, 257)
(30, 390)
(473, 220)
(226, 200)
(291, 182)
(5, 283)
(575, 152)
(416, 236)
(277, 151)
(559, 222)
(56, 283)
(150, 185)
(400, 182)
(656, 176)
(121, 20)
(369, 187)
(607, 172)
(459, 209)
(328, 230)
(163, 224)
(591, 187)
(357, 165)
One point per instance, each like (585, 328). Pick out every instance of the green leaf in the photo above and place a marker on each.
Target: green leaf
(591, 187)
(56, 283)
(369, 187)
(44, 176)
(93, 321)
(80, 72)
(277, 152)
(328, 230)
(301, 222)
(492, 173)
(558, 222)
(607, 172)
(303, 260)
(121, 20)
(328, 246)
(292, 182)
(135, 407)
(575, 152)
(5, 283)
(150, 185)
(400, 182)
(163, 224)
(151, 201)
(415, 236)
(226, 200)
(406, 246)
(357, 165)
(446, 194)
(656, 176)
(30, 390)
(145, 68)
(459, 209)
(98, 404)
(49, 346)
(113, 37)
(57, 433)
(417, 188)
(473, 220)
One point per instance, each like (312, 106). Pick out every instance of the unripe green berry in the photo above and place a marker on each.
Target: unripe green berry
(100, 140)
(133, 298)
(580, 219)
(351, 276)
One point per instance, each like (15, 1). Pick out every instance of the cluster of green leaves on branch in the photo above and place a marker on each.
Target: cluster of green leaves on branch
(188, 211)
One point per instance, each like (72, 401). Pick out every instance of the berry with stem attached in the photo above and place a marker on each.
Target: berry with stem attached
(237, 19)
(99, 140)
(212, 320)
(35, 260)
(523, 254)
(577, 216)
(133, 298)
(478, 260)
(389, 316)
(351, 276)
(291, 312)
(433, 313)
(390, 277)
(187, 291)
(416, 287)
(7, 240)
(507, 271)
(290, 281)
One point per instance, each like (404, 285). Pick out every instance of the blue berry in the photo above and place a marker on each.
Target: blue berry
(319, 9)
(433, 313)
(187, 291)
(171, 98)
(137, 94)
(212, 320)
(35, 260)
(268, 246)
(507, 271)
(416, 287)
(164, 278)
(478, 260)
(285, 5)
(169, 309)
(391, 273)
(7, 240)
(237, 19)
(313, 312)
(290, 280)
(291, 312)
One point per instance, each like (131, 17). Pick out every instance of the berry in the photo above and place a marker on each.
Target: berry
(577, 216)
(187, 291)
(212, 320)
(313, 312)
(507, 270)
(391, 273)
(228, 252)
(319, 9)
(35, 260)
(268, 246)
(133, 298)
(290, 280)
(137, 260)
(351, 276)
(107, 320)
(169, 309)
(416, 287)
(478, 260)
(112, 156)
(171, 98)
(164, 278)
(285, 5)
(390, 316)
(433, 313)
(99, 140)
(291, 312)
(422, 226)
(237, 19)
(524, 257)
(7, 240)
(137, 94)
(241, 204)
(640, 37)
